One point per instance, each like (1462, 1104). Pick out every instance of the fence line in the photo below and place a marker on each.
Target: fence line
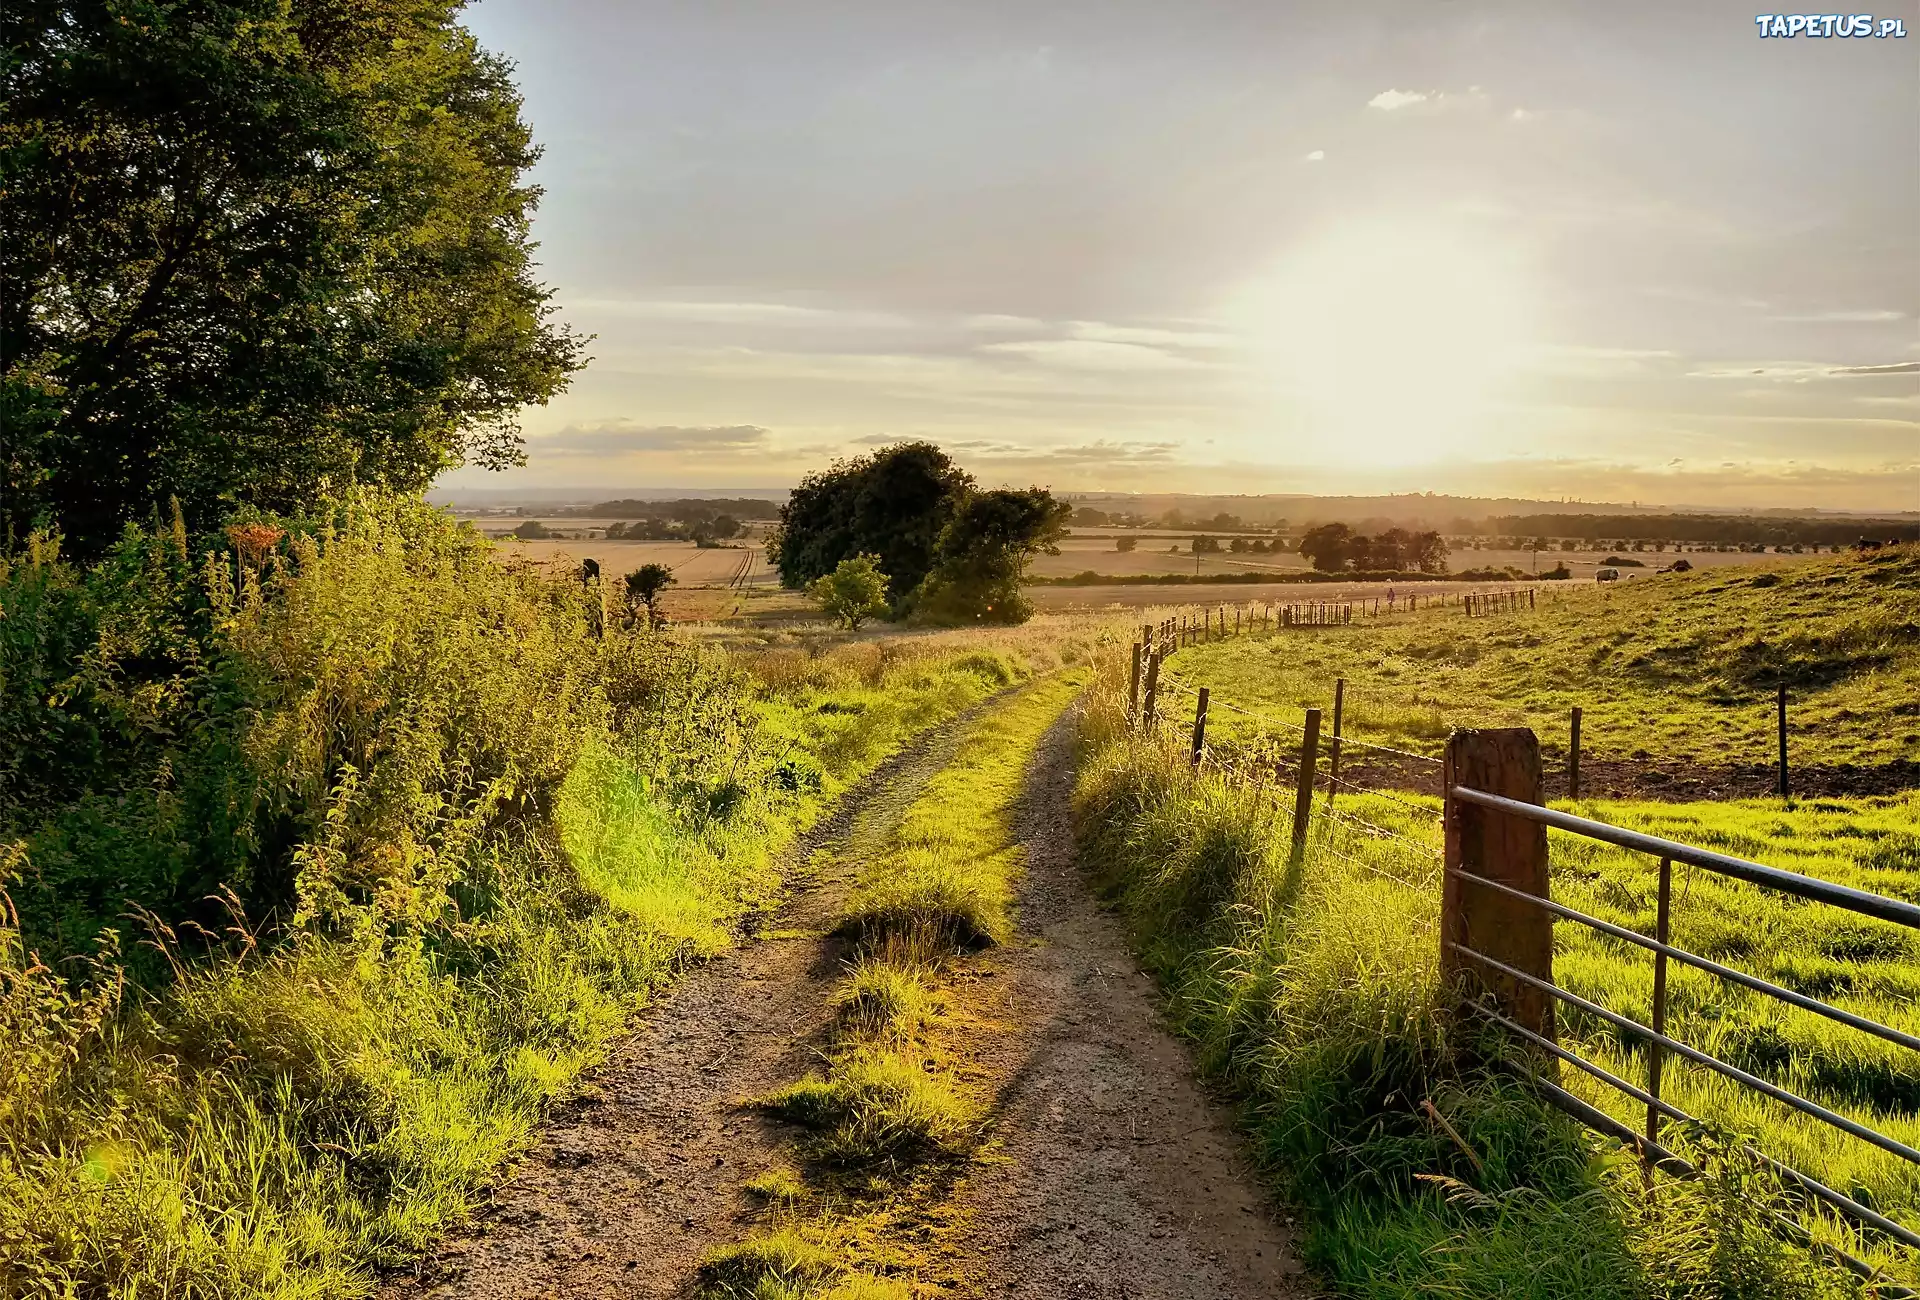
(1496, 914)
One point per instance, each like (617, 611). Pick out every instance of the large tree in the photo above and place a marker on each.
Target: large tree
(892, 505)
(984, 552)
(255, 247)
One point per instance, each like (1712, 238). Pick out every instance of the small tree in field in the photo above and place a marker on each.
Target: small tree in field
(854, 592)
(644, 586)
(1125, 544)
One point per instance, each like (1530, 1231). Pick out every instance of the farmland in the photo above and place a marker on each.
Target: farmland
(680, 779)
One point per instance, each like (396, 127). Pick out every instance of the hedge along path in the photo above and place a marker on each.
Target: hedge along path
(996, 1108)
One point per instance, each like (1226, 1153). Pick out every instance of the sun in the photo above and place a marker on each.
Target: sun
(1386, 340)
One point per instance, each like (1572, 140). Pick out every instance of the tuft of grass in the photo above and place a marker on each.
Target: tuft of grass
(784, 1259)
(878, 1108)
(884, 1000)
(779, 1185)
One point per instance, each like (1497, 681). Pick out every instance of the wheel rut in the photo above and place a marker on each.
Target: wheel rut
(1112, 1173)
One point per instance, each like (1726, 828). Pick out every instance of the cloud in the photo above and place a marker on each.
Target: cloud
(692, 312)
(1389, 100)
(1866, 317)
(616, 437)
(994, 321)
(1897, 368)
(1151, 336)
(1317, 155)
(1092, 354)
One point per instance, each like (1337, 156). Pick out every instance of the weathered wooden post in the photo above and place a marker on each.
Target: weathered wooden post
(1510, 851)
(1303, 793)
(1151, 705)
(1573, 756)
(1133, 689)
(1786, 786)
(1199, 727)
(1333, 755)
(1236, 620)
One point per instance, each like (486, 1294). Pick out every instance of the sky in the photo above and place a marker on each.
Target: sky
(1607, 251)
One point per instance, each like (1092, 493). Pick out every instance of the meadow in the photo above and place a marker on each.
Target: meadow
(1311, 986)
(1297, 978)
(1676, 673)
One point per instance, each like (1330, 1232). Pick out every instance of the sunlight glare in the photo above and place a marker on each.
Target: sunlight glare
(1387, 339)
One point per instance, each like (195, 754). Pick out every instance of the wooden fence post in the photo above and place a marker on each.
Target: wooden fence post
(1303, 794)
(1199, 727)
(1151, 704)
(1500, 847)
(1786, 786)
(1133, 690)
(1573, 756)
(1333, 755)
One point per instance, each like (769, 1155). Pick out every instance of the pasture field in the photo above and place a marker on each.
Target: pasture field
(1675, 674)
(1311, 987)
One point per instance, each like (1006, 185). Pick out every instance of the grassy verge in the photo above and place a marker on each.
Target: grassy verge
(886, 1129)
(1311, 987)
(455, 841)
(1681, 668)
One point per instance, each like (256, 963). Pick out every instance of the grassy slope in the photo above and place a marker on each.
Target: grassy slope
(1680, 667)
(1312, 988)
(889, 1119)
(277, 1122)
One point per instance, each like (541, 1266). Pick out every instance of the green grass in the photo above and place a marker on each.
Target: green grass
(1311, 987)
(1680, 668)
(946, 878)
(484, 838)
(889, 1122)
(1862, 965)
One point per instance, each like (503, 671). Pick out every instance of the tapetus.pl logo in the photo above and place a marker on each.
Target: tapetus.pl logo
(1829, 26)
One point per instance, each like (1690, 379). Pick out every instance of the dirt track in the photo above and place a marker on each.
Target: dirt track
(1107, 1173)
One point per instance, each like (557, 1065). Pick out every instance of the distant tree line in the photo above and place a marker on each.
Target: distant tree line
(1750, 530)
(947, 551)
(1336, 548)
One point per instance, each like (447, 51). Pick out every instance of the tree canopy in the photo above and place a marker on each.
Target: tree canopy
(255, 248)
(984, 551)
(892, 505)
(952, 553)
(853, 593)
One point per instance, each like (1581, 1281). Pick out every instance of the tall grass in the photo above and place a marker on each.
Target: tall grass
(453, 841)
(1310, 985)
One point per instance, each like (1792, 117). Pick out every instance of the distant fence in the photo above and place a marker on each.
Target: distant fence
(1497, 913)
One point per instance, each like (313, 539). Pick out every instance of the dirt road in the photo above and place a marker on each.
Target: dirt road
(1107, 1173)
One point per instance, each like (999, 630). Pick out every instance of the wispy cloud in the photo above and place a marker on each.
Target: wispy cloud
(1868, 316)
(1389, 100)
(697, 312)
(1897, 368)
(615, 437)
(1093, 354)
